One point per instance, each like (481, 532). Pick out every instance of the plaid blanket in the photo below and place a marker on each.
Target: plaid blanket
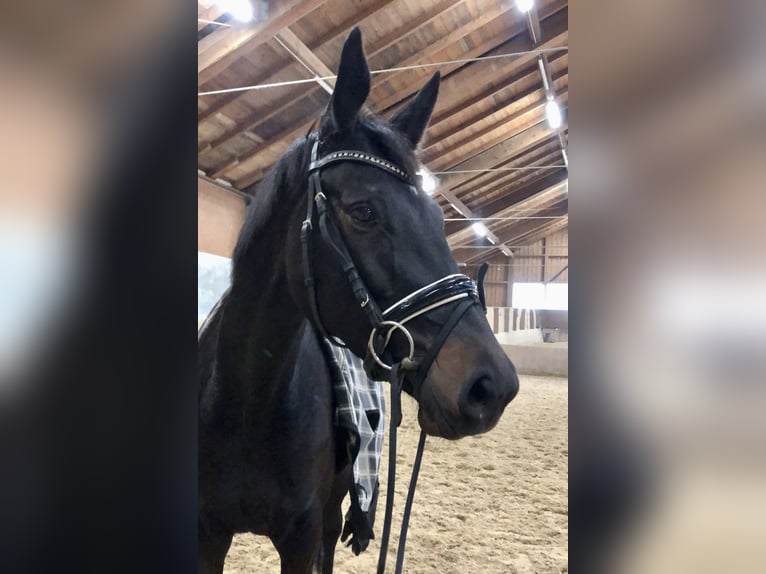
(359, 411)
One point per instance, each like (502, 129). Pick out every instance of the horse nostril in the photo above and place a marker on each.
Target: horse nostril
(478, 394)
(478, 397)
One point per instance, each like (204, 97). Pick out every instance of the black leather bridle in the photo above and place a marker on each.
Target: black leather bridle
(456, 288)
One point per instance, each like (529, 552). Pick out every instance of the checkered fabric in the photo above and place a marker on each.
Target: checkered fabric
(359, 421)
(366, 406)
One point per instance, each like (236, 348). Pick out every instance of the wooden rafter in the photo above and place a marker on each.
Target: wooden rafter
(257, 119)
(549, 186)
(489, 115)
(221, 48)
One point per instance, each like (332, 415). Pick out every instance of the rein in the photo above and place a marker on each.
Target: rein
(456, 288)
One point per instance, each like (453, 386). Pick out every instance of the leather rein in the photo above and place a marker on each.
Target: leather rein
(456, 288)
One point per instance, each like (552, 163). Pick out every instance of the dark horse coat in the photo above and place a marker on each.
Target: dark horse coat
(267, 449)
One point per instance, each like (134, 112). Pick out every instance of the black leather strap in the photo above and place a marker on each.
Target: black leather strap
(408, 504)
(395, 380)
(332, 237)
(361, 157)
(308, 271)
(480, 282)
(424, 365)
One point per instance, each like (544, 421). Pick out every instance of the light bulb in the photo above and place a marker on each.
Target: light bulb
(524, 5)
(428, 181)
(553, 113)
(241, 10)
(479, 229)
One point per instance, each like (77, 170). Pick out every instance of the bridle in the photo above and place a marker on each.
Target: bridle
(449, 289)
(455, 288)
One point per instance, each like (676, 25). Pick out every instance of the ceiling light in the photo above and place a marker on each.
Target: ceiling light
(480, 229)
(427, 180)
(524, 5)
(241, 10)
(553, 113)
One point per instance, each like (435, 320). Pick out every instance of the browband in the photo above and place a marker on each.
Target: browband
(361, 157)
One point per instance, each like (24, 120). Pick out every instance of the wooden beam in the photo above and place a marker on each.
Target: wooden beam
(552, 181)
(492, 134)
(534, 235)
(534, 229)
(316, 66)
(546, 186)
(342, 28)
(257, 174)
(497, 154)
(257, 118)
(532, 232)
(256, 121)
(286, 137)
(548, 207)
(462, 208)
(460, 80)
(220, 102)
(220, 49)
(353, 20)
(505, 97)
(558, 273)
(410, 27)
(499, 76)
(212, 13)
(384, 100)
(502, 182)
(467, 238)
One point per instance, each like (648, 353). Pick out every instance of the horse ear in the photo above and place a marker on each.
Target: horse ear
(412, 118)
(352, 85)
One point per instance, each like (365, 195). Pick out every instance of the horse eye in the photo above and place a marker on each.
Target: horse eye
(363, 213)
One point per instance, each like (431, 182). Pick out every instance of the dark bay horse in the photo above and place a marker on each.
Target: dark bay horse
(267, 453)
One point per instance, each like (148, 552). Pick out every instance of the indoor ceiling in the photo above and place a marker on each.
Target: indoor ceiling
(490, 143)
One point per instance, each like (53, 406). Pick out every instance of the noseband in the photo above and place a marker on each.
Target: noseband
(456, 288)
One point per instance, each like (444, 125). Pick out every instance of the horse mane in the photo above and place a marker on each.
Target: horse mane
(285, 183)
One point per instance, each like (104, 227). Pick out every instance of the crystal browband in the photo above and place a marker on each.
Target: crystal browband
(362, 157)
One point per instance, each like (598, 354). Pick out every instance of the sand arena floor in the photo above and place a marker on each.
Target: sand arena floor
(491, 504)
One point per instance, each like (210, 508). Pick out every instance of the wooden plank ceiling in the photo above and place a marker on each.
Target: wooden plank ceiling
(489, 115)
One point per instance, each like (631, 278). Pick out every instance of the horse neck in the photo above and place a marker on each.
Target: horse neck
(261, 325)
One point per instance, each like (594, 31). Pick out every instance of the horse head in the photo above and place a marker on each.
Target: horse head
(393, 233)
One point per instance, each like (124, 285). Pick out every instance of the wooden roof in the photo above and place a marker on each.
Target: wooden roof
(489, 115)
